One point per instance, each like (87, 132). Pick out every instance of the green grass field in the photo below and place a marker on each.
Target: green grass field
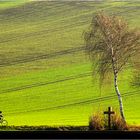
(45, 76)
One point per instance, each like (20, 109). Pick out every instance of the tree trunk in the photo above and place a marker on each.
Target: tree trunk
(116, 85)
(119, 97)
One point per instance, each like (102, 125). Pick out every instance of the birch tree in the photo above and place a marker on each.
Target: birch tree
(111, 43)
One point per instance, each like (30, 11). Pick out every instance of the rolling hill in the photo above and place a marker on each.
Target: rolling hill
(45, 75)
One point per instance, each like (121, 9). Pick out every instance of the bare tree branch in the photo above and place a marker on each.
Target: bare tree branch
(112, 44)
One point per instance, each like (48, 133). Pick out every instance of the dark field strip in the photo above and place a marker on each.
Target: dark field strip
(44, 19)
(88, 101)
(44, 56)
(46, 83)
(38, 33)
(43, 14)
(29, 9)
(126, 11)
(47, 56)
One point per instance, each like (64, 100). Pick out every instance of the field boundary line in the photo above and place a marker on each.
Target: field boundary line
(89, 101)
(46, 83)
(44, 56)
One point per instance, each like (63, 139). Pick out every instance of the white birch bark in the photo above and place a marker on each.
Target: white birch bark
(119, 97)
(116, 87)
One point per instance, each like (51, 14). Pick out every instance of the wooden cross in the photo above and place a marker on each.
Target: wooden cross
(109, 112)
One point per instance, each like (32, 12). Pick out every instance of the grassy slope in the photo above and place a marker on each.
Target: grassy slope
(41, 83)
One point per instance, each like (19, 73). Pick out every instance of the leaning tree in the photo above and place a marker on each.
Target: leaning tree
(111, 43)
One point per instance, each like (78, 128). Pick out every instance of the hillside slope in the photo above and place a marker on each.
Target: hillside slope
(46, 77)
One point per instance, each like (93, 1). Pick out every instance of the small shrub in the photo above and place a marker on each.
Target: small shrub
(96, 122)
(118, 123)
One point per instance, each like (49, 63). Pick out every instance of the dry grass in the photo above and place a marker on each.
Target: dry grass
(96, 122)
(118, 123)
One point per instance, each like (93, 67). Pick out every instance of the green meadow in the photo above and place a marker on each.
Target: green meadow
(45, 76)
